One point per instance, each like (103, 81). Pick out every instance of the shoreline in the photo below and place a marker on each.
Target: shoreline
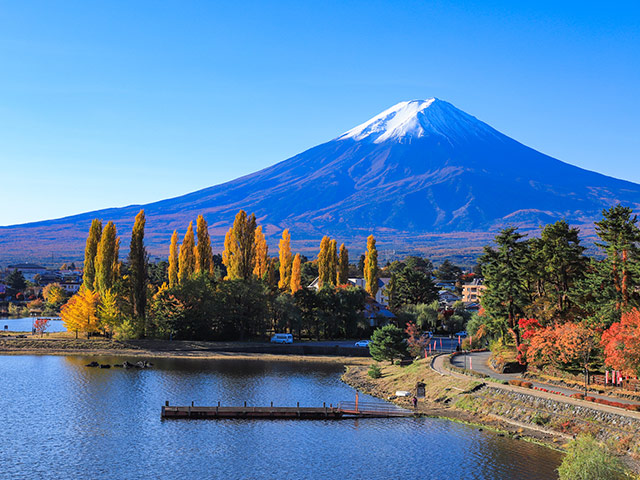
(357, 377)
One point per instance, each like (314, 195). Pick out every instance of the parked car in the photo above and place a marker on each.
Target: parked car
(461, 334)
(282, 338)
(363, 343)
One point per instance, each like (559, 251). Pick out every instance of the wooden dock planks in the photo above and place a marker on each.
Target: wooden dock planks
(301, 413)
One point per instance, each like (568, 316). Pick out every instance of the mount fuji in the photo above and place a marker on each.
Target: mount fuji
(422, 175)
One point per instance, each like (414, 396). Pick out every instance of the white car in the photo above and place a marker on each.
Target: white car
(282, 338)
(363, 343)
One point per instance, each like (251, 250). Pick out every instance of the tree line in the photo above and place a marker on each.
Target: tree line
(242, 293)
(560, 307)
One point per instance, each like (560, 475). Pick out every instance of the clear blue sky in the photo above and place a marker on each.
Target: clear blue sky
(117, 102)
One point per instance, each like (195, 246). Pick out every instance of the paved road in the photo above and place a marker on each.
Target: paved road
(480, 363)
(437, 364)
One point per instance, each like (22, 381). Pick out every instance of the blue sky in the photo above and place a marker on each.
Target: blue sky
(116, 102)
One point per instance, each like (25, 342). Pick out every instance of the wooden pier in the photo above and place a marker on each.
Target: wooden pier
(340, 411)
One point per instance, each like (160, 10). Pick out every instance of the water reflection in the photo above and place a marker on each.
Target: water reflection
(63, 420)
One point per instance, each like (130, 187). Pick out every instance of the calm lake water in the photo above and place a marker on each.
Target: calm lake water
(25, 324)
(61, 420)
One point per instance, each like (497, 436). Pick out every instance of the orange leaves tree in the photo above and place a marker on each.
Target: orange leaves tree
(621, 343)
(569, 345)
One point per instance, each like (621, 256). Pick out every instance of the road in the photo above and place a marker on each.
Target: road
(480, 363)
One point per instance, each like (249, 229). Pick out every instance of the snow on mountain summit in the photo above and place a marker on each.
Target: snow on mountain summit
(413, 119)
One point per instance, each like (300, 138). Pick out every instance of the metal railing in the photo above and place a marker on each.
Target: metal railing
(373, 408)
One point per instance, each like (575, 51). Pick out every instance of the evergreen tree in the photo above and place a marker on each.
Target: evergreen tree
(239, 255)
(173, 260)
(106, 260)
(187, 258)
(556, 266)
(203, 253)
(505, 296)
(285, 260)
(295, 274)
(343, 266)
(387, 343)
(411, 287)
(16, 281)
(371, 272)
(620, 236)
(138, 277)
(612, 285)
(262, 254)
(90, 251)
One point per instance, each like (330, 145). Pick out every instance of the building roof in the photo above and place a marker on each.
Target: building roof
(26, 266)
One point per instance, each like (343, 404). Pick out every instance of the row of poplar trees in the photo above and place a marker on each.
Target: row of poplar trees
(111, 292)
(246, 256)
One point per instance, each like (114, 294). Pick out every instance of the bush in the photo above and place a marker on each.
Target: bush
(539, 419)
(586, 459)
(520, 383)
(375, 371)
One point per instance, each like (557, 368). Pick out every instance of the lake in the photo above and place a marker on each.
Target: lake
(25, 324)
(61, 419)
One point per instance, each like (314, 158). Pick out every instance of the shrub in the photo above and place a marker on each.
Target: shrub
(520, 383)
(586, 459)
(539, 419)
(375, 371)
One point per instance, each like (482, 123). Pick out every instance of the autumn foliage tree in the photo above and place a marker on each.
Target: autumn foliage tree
(240, 248)
(296, 280)
(285, 260)
(79, 313)
(568, 345)
(90, 251)
(187, 258)
(371, 271)
(262, 254)
(621, 343)
(173, 260)
(138, 272)
(203, 253)
(327, 262)
(343, 266)
(106, 260)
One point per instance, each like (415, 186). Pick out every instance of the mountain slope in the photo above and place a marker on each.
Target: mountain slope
(419, 169)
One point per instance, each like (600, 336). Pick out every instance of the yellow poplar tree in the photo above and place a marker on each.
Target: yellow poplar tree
(296, 279)
(90, 251)
(204, 255)
(324, 263)
(343, 266)
(285, 260)
(108, 311)
(239, 253)
(371, 267)
(173, 260)
(187, 258)
(106, 261)
(79, 313)
(332, 261)
(262, 254)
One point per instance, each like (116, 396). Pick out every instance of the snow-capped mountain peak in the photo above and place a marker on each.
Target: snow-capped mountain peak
(413, 119)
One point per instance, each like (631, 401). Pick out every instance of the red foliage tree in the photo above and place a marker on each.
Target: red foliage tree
(40, 325)
(416, 341)
(621, 343)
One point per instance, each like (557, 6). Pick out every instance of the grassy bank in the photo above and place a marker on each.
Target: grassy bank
(445, 397)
